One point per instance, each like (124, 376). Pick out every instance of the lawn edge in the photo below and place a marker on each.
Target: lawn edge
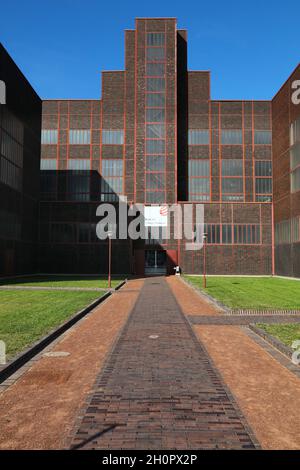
(27, 354)
(214, 301)
(275, 342)
(240, 310)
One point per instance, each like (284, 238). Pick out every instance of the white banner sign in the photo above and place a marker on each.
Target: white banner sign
(156, 216)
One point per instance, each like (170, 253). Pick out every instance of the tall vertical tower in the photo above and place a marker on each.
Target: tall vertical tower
(151, 111)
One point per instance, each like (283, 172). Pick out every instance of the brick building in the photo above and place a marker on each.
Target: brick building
(20, 130)
(157, 137)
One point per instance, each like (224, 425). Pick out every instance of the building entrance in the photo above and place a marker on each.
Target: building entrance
(155, 262)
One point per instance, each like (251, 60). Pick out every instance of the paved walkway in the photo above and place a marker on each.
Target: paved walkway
(158, 389)
(38, 409)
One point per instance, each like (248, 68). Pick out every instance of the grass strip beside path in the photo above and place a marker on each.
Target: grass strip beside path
(26, 316)
(61, 281)
(251, 292)
(287, 333)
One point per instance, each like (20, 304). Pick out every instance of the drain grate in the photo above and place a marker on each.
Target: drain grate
(57, 354)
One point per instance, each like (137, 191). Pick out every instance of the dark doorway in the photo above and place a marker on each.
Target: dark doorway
(155, 262)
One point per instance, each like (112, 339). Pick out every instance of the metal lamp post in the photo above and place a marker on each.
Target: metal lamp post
(109, 234)
(204, 259)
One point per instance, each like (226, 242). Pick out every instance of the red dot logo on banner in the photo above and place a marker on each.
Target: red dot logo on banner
(163, 210)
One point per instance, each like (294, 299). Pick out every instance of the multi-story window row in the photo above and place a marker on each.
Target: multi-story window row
(288, 231)
(83, 137)
(11, 150)
(295, 155)
(233, 234)
(155, 118)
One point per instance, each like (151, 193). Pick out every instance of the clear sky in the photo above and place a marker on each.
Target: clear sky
(62, 45)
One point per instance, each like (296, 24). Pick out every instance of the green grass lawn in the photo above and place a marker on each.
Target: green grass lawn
(26, 316)
(61, 281)
(285, 332)
(252, 292)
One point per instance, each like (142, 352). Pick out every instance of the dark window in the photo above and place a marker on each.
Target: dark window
(198, 137)
(155, 181)
(262, 137)
(155, 70)
(155, 39)
(232, 167)
(155, 146)
(155, 54)
(155, 100)
(231, 137)
(155, 163)
(155, 84)
(155, 131)
(155, 115)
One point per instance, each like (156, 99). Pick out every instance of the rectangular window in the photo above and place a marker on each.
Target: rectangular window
(295, 132)
(263, 185)
(199, 168)
(155, 131)
(263, 168)
(155, 163)
(155, 100)
(79, 136)
(226, 234)
(11, 149)
(155, 146)
(295, 156)
(198, 186)
(112, 167)
(155, 181)
(246, 234)
(231, 137)
(295, 180)
(113, 137)
(155, 84)
(49, 136)
(79, 164)
(263, 137)
(198, 137)
(111, 185)
(155, 197)
(155, 39)
(155, 115)
(48, 164)
(232, 167)
(213, 233)
(155, 54)
(232, 189)
(155, 70)
(10, 174)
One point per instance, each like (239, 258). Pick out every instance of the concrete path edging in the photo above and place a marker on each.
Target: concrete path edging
(276, 343)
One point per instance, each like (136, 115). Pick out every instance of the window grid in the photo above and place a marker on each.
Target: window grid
(295, 156)
(155, 118)
(79, 136)
(199, 180)
(233, 234)
(232, 180)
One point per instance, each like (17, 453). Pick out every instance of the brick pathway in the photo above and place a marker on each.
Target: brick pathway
(158, 389)
(38, 411)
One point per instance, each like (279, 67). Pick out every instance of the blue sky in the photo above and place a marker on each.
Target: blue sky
(62, 45)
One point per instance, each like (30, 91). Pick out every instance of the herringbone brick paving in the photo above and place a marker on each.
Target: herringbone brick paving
(159, 389)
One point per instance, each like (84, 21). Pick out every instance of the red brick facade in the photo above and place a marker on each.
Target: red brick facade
(165, 119)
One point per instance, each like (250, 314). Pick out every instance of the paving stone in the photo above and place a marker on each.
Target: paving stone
(163, 393)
